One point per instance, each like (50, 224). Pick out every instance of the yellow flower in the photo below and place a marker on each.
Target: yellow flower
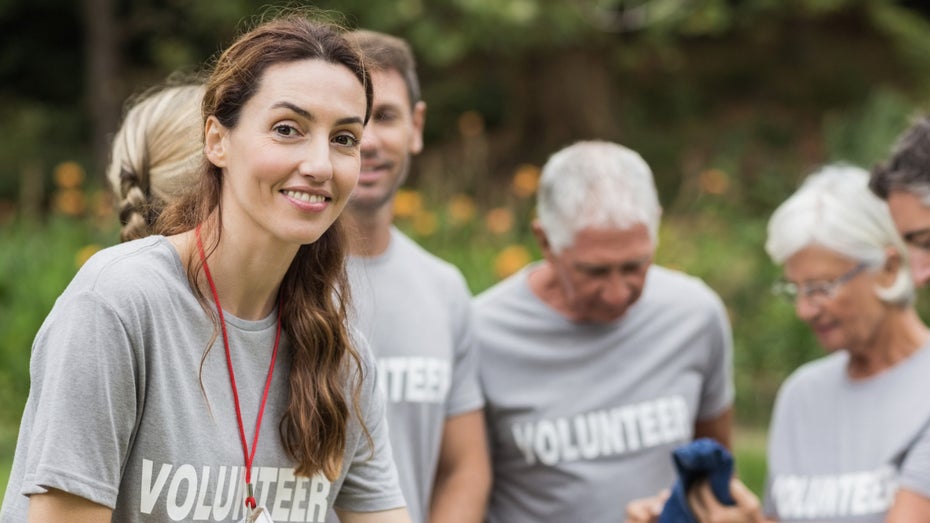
(525, 181)
(84, 254)
(425, 223)
(461, 209)
(714, 181)
(510, 260)
(69, 175)
(499, 220)
(407, 203)
(70, 202)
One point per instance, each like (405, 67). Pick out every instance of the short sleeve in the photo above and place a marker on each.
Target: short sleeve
(465, 391)
(83, 401)
(371, 483)
(915, 470)
(718, 391)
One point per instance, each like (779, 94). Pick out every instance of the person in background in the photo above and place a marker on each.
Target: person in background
(208, 372)
(596, 363)
(849, 438)
(904, 182)
(415, 310)
(155, 154)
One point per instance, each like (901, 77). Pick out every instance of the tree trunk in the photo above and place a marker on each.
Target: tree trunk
(101, 79)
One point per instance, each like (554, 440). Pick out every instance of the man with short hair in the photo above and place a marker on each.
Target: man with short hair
(415, 310)
(595, 362)
(904, 182)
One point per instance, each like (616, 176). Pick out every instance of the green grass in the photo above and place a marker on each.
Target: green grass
(749, 451)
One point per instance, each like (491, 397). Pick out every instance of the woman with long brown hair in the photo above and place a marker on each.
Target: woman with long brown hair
(207, 372)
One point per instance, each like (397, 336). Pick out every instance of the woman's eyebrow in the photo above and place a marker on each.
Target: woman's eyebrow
(309, 116)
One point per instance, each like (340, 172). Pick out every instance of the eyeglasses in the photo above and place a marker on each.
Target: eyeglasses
(815, 291)
(919, 239)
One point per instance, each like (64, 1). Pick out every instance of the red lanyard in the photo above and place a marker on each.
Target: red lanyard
(249, 456)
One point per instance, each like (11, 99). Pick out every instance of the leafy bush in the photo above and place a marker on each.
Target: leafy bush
(36, 263)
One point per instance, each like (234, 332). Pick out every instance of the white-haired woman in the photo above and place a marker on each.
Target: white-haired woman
(850, 433)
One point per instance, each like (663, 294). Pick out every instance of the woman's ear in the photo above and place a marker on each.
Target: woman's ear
(214, 142)
(893, 262)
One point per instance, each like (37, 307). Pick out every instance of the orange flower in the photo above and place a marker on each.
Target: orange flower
(525, 181)
(69, 175)
(499, 220)
(407, 203)
(461, 209)
(70, 202)
(714, 181)
(84, 254)
(510, 260)
(425, 223)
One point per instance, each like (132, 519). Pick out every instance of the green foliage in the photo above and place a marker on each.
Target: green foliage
(36, 263)
(862, 136)
(749, 451)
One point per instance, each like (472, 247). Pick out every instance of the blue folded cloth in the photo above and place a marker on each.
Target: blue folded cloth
(702, 458)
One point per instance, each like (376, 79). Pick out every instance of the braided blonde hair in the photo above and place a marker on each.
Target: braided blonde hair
(156, 155)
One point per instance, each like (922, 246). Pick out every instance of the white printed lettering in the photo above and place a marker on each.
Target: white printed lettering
(523, 437)
(298, 505)
(610, 427)
(178, 509)
(201, 511)
(150, 492)
(318, 503)
(588, 440)
(628, 415)
(284, 496)
(590, 435)
(648, 425)
(222, 505)
(569, 452)
(218, 493)
(415, 379)
(264, 477)
(547, 442)
(834, 495)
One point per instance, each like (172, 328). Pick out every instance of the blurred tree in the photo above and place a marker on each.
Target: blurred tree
(749, 83)
(100, 74)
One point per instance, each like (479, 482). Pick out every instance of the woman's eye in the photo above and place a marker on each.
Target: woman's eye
(346, 139)
(285, 130)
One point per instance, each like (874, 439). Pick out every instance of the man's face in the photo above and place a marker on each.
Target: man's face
(603, 272)
(912, 219)
(393, 134)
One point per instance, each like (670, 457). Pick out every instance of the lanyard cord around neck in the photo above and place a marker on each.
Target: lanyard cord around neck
(249, 456)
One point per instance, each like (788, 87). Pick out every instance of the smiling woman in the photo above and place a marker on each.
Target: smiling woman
(297, 145)
(208, 372)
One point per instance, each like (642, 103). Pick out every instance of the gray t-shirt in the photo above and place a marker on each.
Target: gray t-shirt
(582, 418)
(415, 309)
(840, 448)
(116, 413)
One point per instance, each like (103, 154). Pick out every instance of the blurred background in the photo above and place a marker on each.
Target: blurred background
(731, 102)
